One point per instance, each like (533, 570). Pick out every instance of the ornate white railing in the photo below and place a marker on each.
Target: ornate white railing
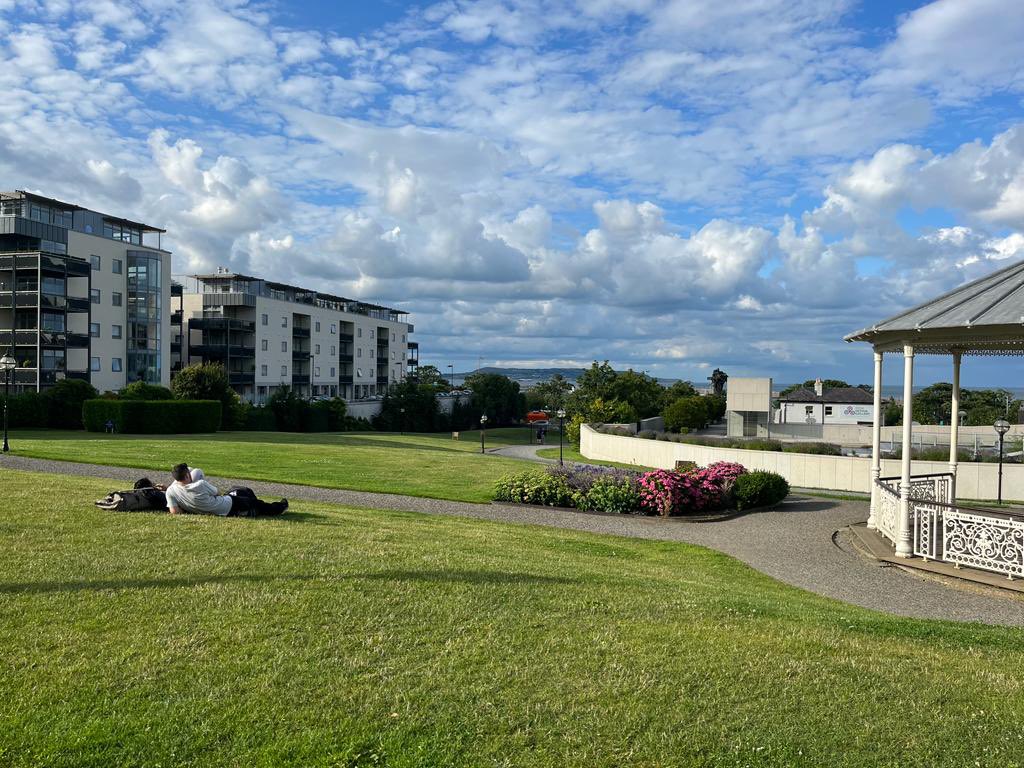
(945, 531)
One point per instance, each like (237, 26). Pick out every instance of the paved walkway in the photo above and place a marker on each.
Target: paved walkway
(526, 452)
(800, 542)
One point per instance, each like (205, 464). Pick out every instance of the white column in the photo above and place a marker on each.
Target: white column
(904, 545)
(876, 441)
(954, 425)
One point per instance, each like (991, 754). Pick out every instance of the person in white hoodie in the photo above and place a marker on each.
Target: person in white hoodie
(191, 493)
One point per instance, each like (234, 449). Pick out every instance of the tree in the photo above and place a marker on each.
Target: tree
(641, 391)
(429, 375)
(551, 394)
(497, 396)
(593, 383)
(64, 403)
(716, 407)
(892, 413)
(676, 391)
(687, 413)
(408, 407)
(140, 390)
(208, 381)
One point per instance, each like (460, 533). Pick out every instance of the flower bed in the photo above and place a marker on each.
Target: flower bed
(661, 492)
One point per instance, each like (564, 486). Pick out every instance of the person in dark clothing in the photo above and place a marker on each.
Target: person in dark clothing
(192, 494)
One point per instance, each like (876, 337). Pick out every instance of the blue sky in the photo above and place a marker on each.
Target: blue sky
(673, 185)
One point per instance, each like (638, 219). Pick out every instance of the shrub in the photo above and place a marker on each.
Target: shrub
(759, 489)
(534, 487)
(686, 412)
(29, 409)
(821, 449)
(64, 403)
(613, 494)
(208, 381)
(259, 418)
(647, 434)
(660, 492)
(162, 417)
(140, 390)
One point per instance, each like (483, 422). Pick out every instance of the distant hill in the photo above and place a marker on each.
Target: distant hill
(527, 377)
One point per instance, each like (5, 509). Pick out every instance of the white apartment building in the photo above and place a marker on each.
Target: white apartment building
(271, 335)
(82, 295)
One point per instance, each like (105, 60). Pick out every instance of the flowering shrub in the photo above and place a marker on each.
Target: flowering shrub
(605, 489)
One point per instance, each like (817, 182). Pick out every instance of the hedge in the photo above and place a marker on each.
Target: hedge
(159, 417)
(759, 489)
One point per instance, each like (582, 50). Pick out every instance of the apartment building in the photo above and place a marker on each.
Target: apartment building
(83, 295)
(271, 335)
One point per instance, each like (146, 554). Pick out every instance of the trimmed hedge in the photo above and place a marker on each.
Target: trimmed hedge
(759, 489)
(154, 417)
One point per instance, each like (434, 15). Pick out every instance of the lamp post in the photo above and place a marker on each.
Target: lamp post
(7, 365)
(483, 431)
(1002, 426)
(561, 431)
(402, 411)
(451, 375)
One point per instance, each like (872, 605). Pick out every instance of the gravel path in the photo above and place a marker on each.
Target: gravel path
(801, 542)
(526, 452)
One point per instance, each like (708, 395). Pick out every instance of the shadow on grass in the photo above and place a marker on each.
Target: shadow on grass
(50, 587)
(463, 577)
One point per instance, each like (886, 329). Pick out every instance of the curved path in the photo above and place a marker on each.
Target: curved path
(526, 452)
(800, 542)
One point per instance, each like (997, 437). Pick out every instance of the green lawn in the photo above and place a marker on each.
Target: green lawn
(434, 465)
(570, 453)
(339, 637)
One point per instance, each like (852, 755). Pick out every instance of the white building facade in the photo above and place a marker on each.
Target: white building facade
(271, 336)
(83, 295)
(836, 405)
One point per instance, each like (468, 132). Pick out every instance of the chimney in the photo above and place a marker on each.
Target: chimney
(818, 387)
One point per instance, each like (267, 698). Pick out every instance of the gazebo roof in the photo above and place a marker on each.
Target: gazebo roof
(983, 317)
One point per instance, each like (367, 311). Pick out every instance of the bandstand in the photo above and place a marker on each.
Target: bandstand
(919, 514)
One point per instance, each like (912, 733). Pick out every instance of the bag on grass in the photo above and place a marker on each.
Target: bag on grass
(139, 500)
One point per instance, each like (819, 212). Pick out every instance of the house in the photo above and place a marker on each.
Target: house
(833, 405)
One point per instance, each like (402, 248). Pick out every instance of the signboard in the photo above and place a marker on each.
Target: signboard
(857, 411)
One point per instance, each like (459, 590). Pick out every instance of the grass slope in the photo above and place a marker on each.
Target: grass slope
(570, 453)
(433, 466)
(339, 637)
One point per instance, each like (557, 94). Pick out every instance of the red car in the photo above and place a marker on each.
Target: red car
(540, 418)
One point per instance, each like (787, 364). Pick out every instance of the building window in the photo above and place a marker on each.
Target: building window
(371, 333)
(265, 345)
(94, 295)
(372, 351)
(115, 299)
(284, 346)
(94, 330)
(318, 326)
(809, 409)
(333, 348)
(828, 410)
(115, 332)
(359, 352)
(359, 332)
(94, 260)
(403, 338)
(284, 321)
(263, 370)
(316, 371)
(284, 370)
(115, 365)
(317, 350)
(392, 355)
(392, 336)
(264, 320)
(359, 372)
(332, 372)
(94, 364)
(117, 266)
(144, 327)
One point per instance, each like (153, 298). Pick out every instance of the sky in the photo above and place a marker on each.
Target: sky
(671, 185)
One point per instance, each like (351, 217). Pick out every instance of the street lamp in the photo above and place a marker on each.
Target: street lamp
(7, 365)
(483, 431)
(451, 375)
(561, 431)
(402, 411)
(1002, 426)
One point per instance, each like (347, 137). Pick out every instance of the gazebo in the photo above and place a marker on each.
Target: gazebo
(918, 514)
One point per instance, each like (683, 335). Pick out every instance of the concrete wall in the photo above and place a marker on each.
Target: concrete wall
(851, 434)
(837, 473)
(749, 395)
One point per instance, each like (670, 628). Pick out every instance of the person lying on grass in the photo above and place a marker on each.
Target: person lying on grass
(190, 493)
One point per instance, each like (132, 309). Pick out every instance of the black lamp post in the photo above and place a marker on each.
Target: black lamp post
(402, 411)
(561, 431)
(483, 431)
(1002, 426)
(7, 365)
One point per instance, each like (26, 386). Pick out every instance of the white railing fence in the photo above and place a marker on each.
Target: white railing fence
(948, 532)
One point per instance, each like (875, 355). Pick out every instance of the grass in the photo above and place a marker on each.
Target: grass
(341, 637)
(428, 465)
(571, 453)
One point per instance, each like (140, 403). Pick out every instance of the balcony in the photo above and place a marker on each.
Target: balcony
(345, 378)
(300, 333)
(242, 377)
(26, 299)
(178, 315)
(346, 357)
(218, 351)
(218, 324)
(300, 378)
(75, 304)
(22, 338)
(382, 379)
(175, 347)
(346, 337)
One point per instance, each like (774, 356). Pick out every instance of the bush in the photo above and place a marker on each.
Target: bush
(609, 493)
(259, 418)
(64, 403)
(209, 381)
(534, 487)
(686, 412)
(759, 489)
(154, 417)
(29, 409)
(821, 449)
(140, 390)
